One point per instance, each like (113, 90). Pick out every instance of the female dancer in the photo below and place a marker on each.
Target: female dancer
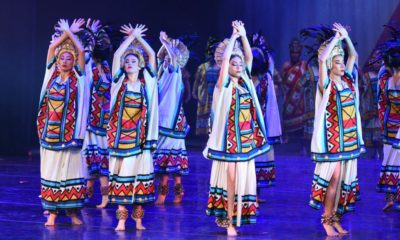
(389, 115)
(99, 74)
(237, 136)
(171, 156)
(337, 138)
(61, 124)
(132, 131)
(262, 76)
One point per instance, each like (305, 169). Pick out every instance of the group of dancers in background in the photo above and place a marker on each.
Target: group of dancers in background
(124, 123)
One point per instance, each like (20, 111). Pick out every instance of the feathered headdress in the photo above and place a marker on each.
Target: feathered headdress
(337, 50)
(180, 50)
(219, 52)
(389, 51)
(260, 50)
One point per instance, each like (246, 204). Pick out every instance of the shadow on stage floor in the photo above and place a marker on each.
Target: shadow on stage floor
(285, 215)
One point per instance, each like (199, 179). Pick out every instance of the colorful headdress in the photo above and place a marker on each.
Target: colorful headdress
(219, 52)
(67, 46)
(103, 47)
(337, 50)
(313, 37)
(87, 37)
(260, 51)
(389, 51)
(136, 49)
(180, 50)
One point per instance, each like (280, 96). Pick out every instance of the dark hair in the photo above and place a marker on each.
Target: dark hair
(102, 54)
(392, 58)
(233, 56)
(260, 64)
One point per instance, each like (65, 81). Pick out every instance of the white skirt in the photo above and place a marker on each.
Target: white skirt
(389, 179)
(245, 192)
(132, 179)
(348, 189)
(171, 156)
(62, 179)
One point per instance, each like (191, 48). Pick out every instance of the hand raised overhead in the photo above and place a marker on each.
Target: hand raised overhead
(76, 25)
(94, 25)
(339, 29)
(62, 25)
(239, 26)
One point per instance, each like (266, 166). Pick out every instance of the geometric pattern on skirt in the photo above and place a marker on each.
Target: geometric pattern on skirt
(389, 180)
(245, 206)
(62, 179)
(348, 188)
(131, 179)
(171, 156)
(265, 169)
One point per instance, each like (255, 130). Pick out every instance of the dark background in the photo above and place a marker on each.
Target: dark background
(26, 27)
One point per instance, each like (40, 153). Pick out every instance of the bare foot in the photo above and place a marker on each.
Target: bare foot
(231, 231)
(388, 206)
(139, 225)
(160, 199)
(121, 225)
(104, 202)
(178, 198)
(330, 231)
(340, 229)
(75, 220)
(51, 219)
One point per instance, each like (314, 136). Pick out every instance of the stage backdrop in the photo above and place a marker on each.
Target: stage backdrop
(26, 27)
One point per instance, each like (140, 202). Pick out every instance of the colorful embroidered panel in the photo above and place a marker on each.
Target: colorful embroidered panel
(126, 133)
(392, 115)
(99, 112)
(242, 130)
(57, 113)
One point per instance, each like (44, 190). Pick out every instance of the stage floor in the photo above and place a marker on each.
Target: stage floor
(285, 215)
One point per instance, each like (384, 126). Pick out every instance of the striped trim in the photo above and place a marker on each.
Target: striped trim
(74, 143)
(237, 157)
(172, 133)
(63, 205)
(341, 156)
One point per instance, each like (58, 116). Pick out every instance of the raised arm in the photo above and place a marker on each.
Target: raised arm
(139, 34)
(55, 42)
(169, 45)
(76, 27)
(322, 58)
(128, 30)
(94, 26)
(224, 71)
(248, 55)
(351, 60)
